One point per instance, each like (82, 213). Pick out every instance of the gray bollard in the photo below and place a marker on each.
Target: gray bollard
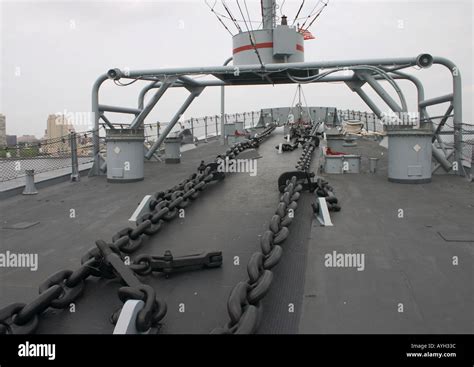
(373, 165)
(172, 150)
(30, 188)
(75, 176)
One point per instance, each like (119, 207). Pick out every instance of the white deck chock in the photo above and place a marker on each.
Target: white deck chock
(141, 209)
(126, 323)
(323, 214)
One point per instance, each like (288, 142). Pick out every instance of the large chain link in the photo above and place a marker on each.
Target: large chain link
(63, 287)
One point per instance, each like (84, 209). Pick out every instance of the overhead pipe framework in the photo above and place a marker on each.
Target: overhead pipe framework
(164, 78)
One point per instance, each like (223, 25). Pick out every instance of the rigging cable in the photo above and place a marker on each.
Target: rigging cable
(307, 106)
(232, 19)
(290, 110)
(311, 14)
(317, 15)
(238, 20)
(379, 71)
(250, 33)
(232, 16)
(217, 16)
(299, 10)
(251, 40)
(281, 7)
(120, 84)
(294, 97)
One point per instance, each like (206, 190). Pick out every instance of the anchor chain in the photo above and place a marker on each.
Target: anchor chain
(324, 190)
(244, 302)
(311, 142)
(65, 286)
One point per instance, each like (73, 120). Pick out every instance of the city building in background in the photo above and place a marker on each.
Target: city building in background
(58, 126)
(3, 131)
(11, 140)
(27, 139)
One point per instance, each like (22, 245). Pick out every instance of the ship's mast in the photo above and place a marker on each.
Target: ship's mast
(268, 14)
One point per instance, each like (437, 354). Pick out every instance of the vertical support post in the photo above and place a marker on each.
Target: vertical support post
(253, 123)
(192, 127)
(75, 176)
(205, 129)
(217, 126)
(268, 14)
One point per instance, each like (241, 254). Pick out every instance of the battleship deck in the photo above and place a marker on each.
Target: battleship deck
(407, 260)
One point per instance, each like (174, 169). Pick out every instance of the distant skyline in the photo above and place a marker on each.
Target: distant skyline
(52, 52)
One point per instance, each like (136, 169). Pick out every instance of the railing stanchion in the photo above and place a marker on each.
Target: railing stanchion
(75, 176)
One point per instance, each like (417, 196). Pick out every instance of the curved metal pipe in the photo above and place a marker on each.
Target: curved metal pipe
(95, 170)
(153, 85)
(144, 91)
(408, 61)
(178, 84)
(419, 88)
(457, 109)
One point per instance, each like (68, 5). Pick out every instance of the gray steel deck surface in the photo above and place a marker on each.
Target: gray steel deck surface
(406, 260)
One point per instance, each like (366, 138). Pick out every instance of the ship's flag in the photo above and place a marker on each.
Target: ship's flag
(307, 35)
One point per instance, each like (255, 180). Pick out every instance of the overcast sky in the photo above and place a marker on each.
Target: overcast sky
(51, 52)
